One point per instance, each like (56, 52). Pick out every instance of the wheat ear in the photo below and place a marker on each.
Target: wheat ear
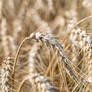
(82, 40)
(6, 75)
(48, 40)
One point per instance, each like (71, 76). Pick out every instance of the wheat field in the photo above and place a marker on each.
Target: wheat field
(45, 45)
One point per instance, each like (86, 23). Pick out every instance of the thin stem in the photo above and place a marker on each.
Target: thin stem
(19, 89)
(16, 57)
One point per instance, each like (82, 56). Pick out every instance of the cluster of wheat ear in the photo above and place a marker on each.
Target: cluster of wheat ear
(45, 46)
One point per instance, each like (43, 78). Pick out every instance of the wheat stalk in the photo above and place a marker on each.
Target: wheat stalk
(4, 36)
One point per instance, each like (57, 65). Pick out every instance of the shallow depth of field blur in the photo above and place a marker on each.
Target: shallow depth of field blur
(40, 68)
